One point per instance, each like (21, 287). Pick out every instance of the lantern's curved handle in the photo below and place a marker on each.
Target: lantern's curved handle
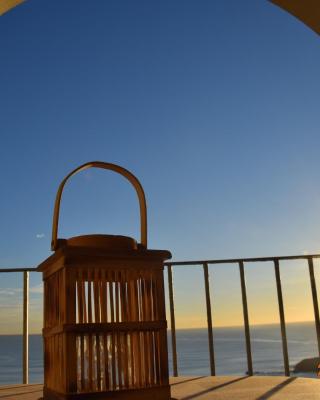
(113, 167)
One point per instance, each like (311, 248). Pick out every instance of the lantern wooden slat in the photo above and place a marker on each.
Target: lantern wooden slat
(135, 356)
(104, 316)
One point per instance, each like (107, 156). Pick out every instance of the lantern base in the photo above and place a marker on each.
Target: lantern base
(154, 393)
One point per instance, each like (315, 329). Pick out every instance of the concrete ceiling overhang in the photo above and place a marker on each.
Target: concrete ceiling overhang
(6, 5)
(307, 11)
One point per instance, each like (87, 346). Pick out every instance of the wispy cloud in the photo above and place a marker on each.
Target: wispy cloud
(9, 292)
(40, 235)
(37, 289)
(12, 307)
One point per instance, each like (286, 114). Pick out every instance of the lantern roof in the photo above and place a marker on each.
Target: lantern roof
(110, 251)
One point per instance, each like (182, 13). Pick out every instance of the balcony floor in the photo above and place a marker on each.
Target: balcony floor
(207, 388)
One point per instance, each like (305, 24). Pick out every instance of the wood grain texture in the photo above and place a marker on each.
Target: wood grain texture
(105, 330)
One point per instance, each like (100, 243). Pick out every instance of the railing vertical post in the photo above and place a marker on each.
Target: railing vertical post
(315, 300)
(282, 319)
(172, 323)
(246, 317)
(25, 360)
(209, 319)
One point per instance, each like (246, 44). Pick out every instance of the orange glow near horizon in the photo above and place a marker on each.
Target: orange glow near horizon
(190, 307)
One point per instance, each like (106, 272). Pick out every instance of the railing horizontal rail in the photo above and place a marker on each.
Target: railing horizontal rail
(246, 260)
(18, 269)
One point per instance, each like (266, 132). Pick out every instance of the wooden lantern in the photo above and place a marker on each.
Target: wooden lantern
(105, 330)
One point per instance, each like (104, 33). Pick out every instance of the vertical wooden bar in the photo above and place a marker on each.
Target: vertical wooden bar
(172, 323)
(60, 360)
(124, 311)
(66, 316)
(148, 302)
(84, 297)
(112, 336)
(163, 332)
(144, 334)
(132, 334)
(79, 298)
(209, 319)
(84, 342)
(104, 318)
(315, 300)
(246, 317)
(117, 335)
(97, 319)
(26, 327)
(139, 353)
(69, 305)
(135, 310)
(90, 341)
(155, 334)
(131, 373)
(81, 321)
(282, 319)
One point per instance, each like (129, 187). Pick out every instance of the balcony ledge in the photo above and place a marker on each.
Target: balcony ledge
(207, 388)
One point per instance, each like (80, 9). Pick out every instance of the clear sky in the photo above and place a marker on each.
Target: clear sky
(213, 104)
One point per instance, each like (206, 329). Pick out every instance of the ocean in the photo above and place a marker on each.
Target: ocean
(192, 346)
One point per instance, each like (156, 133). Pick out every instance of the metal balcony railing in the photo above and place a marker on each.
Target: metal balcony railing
(25, 341)
(241, 262)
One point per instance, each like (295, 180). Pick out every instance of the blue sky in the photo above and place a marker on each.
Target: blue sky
(213, 105)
